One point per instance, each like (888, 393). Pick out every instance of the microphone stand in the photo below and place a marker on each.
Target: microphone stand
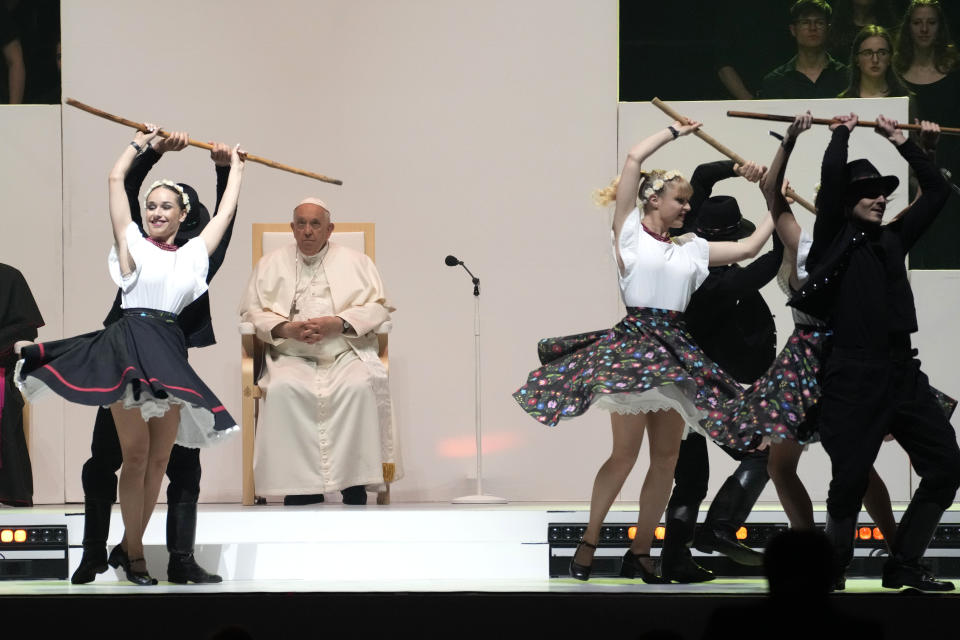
(479, 497)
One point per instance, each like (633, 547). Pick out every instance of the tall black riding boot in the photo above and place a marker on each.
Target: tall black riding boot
(729, 511)
(914, 532)
(840, 532)
(676, 561)
(181, 532)
(96, 526)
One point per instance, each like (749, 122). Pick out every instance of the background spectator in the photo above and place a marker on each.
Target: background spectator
(812, 72)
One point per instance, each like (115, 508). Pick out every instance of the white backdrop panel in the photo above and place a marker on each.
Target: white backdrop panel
(31, 241)
(469, 128)
(750, 139)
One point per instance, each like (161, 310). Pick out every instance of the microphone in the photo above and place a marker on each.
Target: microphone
(947, 175)
(452, 261)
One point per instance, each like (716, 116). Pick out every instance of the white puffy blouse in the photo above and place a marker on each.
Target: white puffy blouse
(658, 274)
(165, 278)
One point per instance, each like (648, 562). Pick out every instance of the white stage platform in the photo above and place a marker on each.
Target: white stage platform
(419, 547)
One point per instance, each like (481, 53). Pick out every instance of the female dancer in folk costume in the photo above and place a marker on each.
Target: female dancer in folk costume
(138, 365)
(782, 406)
(646, 370)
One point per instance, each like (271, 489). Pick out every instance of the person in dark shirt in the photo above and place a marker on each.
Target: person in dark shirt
(183, 469)
(738, 40)
(812, 72)
(730, 321)
(19, 320)
(872, 382)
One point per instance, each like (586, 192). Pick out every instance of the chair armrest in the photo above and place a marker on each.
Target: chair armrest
(247, 329)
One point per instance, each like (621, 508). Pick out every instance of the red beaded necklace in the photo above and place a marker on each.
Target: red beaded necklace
(658, 236)
(163, 245)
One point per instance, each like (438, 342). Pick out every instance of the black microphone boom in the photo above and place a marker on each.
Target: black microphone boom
(451, 261)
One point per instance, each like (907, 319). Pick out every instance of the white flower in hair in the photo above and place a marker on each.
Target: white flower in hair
(647, 193)
(173, 185)
(673, 173)
(657, 184)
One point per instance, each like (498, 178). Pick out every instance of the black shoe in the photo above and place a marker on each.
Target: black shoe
(183, 568)
(581, 571)
(354, 495)
(897, 575)
(839, 583)
(94, 561)
(633, 565)
(300, 500)
(119, 558)
(138, 577)
(684, 569)
(710, 540)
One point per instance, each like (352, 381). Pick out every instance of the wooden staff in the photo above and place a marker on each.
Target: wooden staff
(710, 140)
(862, 123)
(196, 143)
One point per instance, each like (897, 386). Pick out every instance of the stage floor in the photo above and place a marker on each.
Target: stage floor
(422, 547)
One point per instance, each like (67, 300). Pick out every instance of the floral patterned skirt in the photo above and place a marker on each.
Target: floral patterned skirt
(783, 404)
(647, 362)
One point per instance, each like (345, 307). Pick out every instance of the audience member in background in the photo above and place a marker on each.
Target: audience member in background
(871, 71)
(798, 565)
(737, 64)
(850, 16)
(812, 72)
(11, 91)
(927, 60)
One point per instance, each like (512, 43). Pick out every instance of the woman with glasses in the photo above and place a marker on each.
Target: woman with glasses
(871, 71)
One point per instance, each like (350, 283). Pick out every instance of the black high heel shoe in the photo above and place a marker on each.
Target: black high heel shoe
(581, 571)
(119, 558)
(632, 565)
(141, 578)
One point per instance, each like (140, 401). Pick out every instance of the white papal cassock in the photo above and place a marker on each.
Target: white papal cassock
(326, 420)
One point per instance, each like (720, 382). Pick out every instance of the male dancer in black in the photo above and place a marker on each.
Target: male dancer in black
(872, 382)
(733, 325)
(183, 469)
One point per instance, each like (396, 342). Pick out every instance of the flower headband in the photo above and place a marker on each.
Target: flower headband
(173, 185)
(657, 185)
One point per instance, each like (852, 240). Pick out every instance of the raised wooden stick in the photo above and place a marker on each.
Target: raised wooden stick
(196, 143)
(862, 123)
(710, 140)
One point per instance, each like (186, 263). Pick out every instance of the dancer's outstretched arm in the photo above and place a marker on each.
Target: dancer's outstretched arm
(217, 227)
(120, 216)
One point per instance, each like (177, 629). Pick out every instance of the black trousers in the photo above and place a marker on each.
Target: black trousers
(100, 471)
(692, 472)
(867, 395)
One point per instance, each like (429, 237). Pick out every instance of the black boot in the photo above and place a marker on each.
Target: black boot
(676, 562)
(354, 495)
(96, 526)
(914, 532)
(840, 532)
(181, 532)
(729, 511)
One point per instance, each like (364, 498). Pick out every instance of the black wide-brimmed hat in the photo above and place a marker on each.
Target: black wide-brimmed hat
(863, 180)
(720, 219)
(197, 218)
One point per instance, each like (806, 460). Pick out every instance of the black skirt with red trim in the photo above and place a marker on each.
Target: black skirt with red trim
(140, 359)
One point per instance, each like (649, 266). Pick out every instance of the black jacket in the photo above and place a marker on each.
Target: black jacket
(858, 280)
(727, 316)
